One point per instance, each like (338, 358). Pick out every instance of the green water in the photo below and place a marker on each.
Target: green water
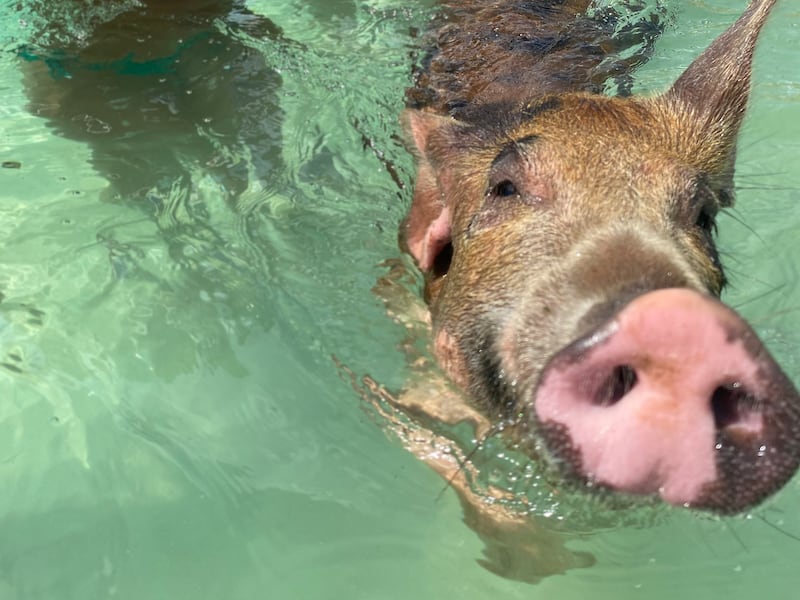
(172, 424)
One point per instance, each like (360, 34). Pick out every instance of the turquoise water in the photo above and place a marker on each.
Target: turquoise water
(172, 424)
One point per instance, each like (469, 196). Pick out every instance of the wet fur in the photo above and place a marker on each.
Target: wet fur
(611, 196)
(664, 164)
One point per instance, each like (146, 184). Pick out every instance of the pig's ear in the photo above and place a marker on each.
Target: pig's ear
(426, 231)
(435, 138)
(711, 96)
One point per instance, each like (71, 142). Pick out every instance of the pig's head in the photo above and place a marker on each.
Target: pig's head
(572, 279)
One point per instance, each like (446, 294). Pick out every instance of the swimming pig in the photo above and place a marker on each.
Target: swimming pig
(567, 242)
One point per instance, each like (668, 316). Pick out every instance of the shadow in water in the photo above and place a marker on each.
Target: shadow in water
(181, 114)
(159, 89)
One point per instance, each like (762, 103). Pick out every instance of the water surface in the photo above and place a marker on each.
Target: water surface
(188, 241)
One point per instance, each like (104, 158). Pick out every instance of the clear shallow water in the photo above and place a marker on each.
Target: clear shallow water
(172, 424)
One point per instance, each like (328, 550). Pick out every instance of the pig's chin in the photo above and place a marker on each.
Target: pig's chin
(674, 396)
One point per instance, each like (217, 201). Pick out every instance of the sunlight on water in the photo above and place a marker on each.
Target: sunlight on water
(192, 230)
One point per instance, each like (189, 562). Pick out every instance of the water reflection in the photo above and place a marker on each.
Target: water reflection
(182, 117)
(159, 90)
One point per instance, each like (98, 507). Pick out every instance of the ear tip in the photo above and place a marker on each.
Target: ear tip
(412, 122)
(423, 116)
(406, 114)
(726, 63)
(420, 124)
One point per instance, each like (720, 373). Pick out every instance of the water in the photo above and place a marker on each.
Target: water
(173, 424)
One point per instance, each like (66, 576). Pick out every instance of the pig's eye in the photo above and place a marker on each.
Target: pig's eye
(706, 222)
(504, 189)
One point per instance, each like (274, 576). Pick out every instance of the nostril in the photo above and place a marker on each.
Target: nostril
(733, 406)
(621, 381)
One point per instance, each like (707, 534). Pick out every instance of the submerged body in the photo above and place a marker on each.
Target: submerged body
(567, 243)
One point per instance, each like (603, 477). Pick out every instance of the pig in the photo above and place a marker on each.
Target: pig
(566, 239)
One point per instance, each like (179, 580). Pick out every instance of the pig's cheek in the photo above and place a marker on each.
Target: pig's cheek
(451, 358)
(508, 348)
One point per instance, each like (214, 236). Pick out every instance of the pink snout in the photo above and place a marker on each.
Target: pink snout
(675, 396)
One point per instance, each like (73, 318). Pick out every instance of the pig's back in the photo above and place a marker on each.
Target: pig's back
(510, 52)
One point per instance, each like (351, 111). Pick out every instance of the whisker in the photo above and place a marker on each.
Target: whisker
(761, 296)
(775, 314)
(766, 188)
(740, 175)
(778, 528)
(467, 459)
(735, 535)
(734, 214)
(756, 141)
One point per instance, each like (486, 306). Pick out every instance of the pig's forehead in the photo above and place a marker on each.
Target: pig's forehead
(578, 135)
(586, 119)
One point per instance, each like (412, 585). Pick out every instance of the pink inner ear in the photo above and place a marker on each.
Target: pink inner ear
(435, 238)
(427, 227)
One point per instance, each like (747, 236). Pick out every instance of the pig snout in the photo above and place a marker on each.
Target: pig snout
(674, 395)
